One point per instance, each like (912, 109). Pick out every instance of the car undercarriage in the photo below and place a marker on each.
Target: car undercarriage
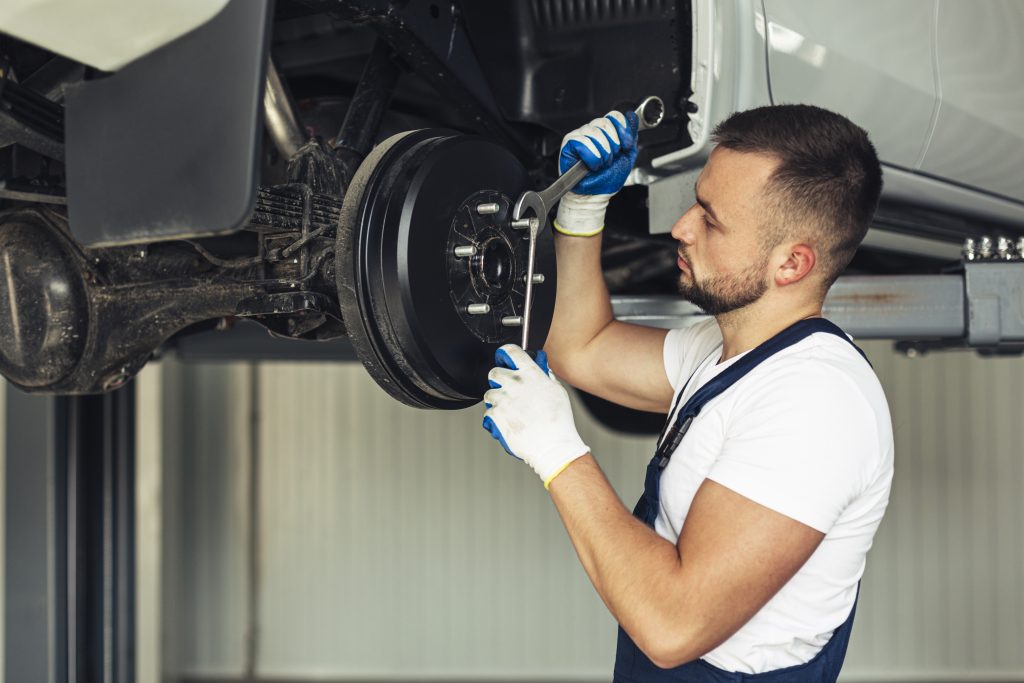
(262, 168)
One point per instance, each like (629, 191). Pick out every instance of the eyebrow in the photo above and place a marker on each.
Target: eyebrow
(704, 204)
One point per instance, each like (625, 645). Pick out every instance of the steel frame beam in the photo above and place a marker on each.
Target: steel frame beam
(981, 308)
(899, 306)
(868, 307)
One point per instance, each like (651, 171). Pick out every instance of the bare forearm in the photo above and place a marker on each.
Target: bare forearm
(582, 306)
(635, 571)
(585, 342)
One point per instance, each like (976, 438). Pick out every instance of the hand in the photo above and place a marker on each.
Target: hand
(528, 411)
(608, 148)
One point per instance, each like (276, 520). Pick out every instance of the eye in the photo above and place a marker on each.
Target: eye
(708, 224)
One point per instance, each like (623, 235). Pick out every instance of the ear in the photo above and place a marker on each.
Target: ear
(799, 262)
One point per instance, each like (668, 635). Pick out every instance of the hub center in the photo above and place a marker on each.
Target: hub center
(494, 264)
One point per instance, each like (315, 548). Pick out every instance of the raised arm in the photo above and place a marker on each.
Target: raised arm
(586, 346)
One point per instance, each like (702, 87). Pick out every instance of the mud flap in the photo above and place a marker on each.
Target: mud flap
(169, 146)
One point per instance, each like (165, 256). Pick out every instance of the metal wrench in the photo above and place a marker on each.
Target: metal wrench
(531, 209)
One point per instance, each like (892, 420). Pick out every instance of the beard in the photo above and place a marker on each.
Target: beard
(725, 293)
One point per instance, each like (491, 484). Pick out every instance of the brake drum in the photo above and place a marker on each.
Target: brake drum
(431, 279)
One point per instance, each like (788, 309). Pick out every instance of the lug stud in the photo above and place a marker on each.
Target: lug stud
(970, 250)
(525, 223)
(512, 321)
(478, 309)
(488, 209)
(985, 248)
(1004, 247)
(465, 251)
(538, 278)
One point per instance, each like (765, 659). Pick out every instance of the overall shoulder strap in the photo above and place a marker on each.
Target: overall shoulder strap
(799, 330)
(791, 335)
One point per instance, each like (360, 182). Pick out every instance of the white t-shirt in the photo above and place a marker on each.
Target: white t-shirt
(835, 477)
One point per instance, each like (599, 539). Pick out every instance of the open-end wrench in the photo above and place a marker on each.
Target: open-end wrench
(530, 211)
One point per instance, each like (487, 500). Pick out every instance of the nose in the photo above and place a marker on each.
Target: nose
(684, 229)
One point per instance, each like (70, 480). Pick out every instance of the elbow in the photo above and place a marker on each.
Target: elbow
(561, 365)
(669, 658)
(569, 355)
(557, 344)
(669, 648)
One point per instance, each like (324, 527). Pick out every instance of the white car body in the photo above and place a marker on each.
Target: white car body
(907, 72)
(105, 34)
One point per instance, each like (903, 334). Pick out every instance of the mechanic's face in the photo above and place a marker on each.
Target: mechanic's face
(723, 264)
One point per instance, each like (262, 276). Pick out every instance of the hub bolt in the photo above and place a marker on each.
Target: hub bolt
(488, 209)
(465, 251)
(512, 321)
(478, 309)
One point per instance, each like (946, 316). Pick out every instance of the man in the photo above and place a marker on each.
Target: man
(746, 551)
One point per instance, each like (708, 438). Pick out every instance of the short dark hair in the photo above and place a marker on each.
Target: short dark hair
(828, 178)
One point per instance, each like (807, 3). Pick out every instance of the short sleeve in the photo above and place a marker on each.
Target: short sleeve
(803, 441)
(686, 347)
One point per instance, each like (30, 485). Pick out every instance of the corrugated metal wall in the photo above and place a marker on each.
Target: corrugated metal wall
(943, 596)
(206, 490)
(401, 543)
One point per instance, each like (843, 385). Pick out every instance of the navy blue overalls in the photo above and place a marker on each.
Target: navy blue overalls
(631, 664)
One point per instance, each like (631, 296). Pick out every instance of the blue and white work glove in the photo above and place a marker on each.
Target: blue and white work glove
(528, 411)
(608, 147)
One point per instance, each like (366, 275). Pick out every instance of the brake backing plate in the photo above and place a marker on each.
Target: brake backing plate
(431, 274)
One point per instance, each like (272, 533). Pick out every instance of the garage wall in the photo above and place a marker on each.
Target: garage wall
(943, 594)
(399, 541)
(368, 563)
(396, 543)
(205, 481)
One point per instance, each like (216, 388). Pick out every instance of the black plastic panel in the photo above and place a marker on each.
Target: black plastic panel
(168, 146)
(560, 62)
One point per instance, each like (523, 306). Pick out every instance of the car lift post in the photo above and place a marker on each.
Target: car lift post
(69, 587)
(69, 491)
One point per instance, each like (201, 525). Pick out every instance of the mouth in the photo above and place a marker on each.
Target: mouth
(682, 263)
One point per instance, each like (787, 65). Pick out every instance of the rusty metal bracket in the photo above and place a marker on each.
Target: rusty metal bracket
(995, 302)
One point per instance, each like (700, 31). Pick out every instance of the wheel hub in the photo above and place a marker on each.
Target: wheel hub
(488, 283)
(431, 275)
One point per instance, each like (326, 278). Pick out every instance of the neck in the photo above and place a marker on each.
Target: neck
(746, 328)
